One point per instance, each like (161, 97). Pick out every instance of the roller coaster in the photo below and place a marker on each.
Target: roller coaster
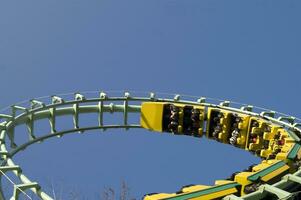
(272, 136)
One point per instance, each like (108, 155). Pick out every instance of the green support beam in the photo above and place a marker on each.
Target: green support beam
(281, 194)
(21, 188)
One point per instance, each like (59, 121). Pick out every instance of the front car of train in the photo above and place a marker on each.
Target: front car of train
(276, 144)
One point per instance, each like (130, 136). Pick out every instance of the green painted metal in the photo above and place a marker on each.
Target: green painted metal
(266, 171)
(293, 178)
(102, 103)
(5, 169)
(281, 194)
(21, 188)
(210, 190)
(293, 152)
(232, 197)
(39, 110)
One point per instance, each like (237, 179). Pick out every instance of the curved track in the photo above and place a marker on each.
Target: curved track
(50, 108)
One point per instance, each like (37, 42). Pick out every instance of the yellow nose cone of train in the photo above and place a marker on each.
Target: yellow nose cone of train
(151, 116)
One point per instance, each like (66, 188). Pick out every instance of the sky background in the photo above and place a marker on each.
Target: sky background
(245, 51)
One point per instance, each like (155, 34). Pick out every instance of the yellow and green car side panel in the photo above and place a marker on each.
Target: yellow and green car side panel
(207, 193)
(267, 171)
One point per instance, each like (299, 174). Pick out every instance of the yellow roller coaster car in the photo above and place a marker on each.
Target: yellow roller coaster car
(227, 127)
(268, 140)
(268, 171)
(199, 192)
(175, 118)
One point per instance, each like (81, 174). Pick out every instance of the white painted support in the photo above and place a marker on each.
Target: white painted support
(274, 190)
(232, 197)
(293, 178)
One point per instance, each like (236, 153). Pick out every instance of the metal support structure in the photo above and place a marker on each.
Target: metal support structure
(80, 104)
(281, 194)
(21, 188)
(232, 197)
(293, 178)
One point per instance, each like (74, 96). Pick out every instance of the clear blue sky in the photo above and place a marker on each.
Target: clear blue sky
(246, 51)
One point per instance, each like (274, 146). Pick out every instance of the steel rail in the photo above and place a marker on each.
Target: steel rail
(125, 104)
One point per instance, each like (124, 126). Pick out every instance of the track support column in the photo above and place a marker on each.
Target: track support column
(281, 194)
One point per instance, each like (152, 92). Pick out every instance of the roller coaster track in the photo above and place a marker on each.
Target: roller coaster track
(50, 108)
